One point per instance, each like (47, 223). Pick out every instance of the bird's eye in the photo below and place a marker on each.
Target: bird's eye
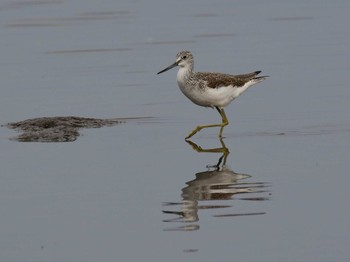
(184, 57)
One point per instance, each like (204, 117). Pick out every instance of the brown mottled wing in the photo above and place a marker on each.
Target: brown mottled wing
(215, 80)
(249, 75)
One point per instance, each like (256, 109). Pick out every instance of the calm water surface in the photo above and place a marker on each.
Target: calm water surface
(274, 189)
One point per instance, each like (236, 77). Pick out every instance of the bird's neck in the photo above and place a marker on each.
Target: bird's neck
(184, 74)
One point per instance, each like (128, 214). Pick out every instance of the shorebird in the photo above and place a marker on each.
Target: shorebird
(207, 89)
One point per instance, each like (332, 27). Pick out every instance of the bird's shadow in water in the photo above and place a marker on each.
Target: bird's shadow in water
(219, 186)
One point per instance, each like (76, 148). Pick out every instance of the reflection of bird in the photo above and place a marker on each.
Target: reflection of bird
(217, 183)
(210, 89)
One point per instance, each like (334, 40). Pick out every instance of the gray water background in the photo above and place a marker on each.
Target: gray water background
(102, 197)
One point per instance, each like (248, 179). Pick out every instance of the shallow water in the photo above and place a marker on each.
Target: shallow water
(138, 191)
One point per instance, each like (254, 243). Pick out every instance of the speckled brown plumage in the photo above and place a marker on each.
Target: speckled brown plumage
(215, 80)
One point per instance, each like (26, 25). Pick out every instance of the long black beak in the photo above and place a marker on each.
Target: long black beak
(168, 68)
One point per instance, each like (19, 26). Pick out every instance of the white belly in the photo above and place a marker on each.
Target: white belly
(211, 97)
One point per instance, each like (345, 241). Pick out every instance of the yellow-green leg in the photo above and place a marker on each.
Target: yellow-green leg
(223, 149)
(222, 125)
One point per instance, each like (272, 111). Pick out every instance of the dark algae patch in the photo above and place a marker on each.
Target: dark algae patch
(60, 128)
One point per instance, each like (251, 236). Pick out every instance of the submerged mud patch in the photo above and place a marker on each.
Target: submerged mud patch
(59, 129)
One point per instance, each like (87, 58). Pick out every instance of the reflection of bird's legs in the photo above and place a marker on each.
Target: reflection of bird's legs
(224, 150)
(222, 125)
(225, 153)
